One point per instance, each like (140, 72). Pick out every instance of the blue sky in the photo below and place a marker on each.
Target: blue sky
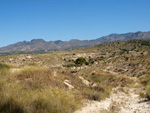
(70, 19)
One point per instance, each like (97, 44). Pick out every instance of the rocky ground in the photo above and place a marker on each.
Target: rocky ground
(125, 100)
(119, 102)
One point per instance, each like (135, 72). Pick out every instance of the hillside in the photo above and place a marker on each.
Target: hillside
(107, 78)
(40, 45)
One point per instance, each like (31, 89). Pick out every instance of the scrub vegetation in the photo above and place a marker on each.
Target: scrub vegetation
(59, 81)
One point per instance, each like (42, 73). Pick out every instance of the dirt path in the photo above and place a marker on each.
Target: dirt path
(127, 101)
(95, 106)
(120, 102)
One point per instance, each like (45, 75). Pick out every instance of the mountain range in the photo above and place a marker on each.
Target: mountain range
(39, 45)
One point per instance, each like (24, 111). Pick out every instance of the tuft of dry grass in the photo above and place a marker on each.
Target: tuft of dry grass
(38, 77)
(34, 89)
(4, 70)
(19, 100)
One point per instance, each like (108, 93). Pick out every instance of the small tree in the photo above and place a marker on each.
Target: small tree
(80, 61)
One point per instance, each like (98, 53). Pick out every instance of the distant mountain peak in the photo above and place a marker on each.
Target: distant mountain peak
(40, 44)
(58, 41)
(38, 40)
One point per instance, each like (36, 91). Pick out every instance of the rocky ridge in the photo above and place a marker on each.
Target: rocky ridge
(40, 45)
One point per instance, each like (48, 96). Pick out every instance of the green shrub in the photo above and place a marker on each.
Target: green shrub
(69, 60)
(148, 92)
(142, 95)
(86, 63)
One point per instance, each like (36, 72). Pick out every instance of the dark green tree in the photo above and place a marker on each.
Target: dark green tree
(80, 61)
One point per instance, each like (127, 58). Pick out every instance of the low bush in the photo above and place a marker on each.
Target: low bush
(145, 80)
(148, 91)
(93, 94)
